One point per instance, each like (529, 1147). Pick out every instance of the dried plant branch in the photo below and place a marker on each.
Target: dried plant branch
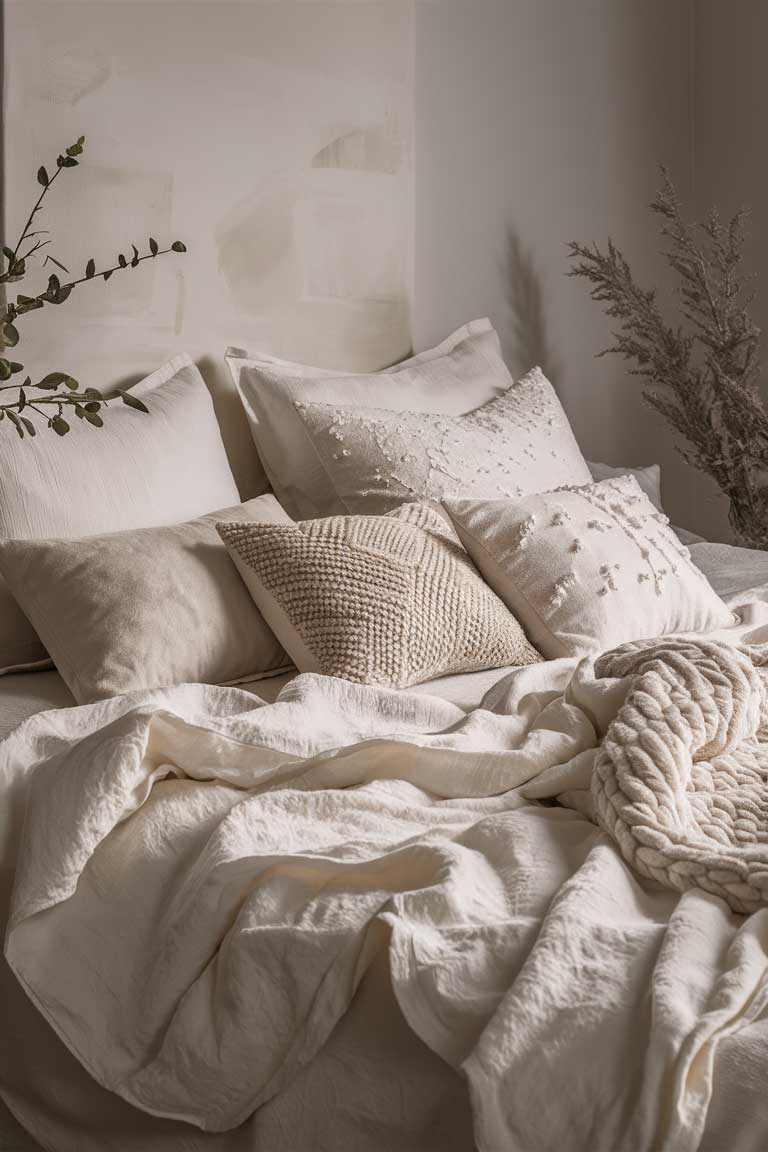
(701, 375)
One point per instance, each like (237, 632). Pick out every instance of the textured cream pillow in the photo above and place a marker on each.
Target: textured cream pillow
(145, 609)
(648, 477)
(389, 600)
(137, 471)
(454, 377)
(585, 569)
(517, 443)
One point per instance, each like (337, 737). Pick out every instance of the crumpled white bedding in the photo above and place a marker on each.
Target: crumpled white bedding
(522, 949)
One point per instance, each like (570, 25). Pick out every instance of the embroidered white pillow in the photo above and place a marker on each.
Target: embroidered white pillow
(388, 600)
(517, 443)
(137, 471)
(457, 375)
(585, 569)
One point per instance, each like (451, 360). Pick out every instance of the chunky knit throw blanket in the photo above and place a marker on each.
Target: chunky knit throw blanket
(681, 779)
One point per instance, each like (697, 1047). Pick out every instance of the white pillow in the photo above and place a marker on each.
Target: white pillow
(459, 374)
(517, 443)
(648, 477)
(586, 569)
(137, 471)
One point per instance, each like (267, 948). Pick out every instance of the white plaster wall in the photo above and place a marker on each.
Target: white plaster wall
(539, 122)
(274, 138)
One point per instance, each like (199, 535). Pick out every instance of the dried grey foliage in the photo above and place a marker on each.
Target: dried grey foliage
(702, 374)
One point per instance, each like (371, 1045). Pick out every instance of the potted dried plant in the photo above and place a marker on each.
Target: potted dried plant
(702, 372)
(47, 400)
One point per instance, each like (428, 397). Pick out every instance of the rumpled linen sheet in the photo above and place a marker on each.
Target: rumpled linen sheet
(202, 884)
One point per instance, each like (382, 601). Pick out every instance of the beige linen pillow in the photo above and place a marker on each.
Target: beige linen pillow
(519, 442)
(585, 569)
(145, 609)
(459, 374)
(388, 600)
(137, 471)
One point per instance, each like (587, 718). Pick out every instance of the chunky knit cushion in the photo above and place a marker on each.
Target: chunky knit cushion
(390, 600)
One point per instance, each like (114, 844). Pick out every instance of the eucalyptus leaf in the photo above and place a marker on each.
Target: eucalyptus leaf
(42, 177)
(16, 422)
(16, 367)
(153, 246)
(22, 400)
(69, 162)
(132, 401)
(5, 369)
(178, 246)
(29, 426)
(10, 334)
(52, 380)
(90, 269)
(107, 274)
(8, 253)
(94, 419)
(122, 261)
(53, 282)
(62, 294)
(59, 425)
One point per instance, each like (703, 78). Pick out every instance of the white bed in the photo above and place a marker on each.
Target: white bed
(374, 1084)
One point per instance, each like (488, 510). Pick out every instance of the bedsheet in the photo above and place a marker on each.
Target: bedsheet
(352, 1094)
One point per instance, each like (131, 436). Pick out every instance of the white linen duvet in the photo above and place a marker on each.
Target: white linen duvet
(201, 886)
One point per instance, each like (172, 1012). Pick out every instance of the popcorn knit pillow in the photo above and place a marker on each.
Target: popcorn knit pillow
(389, 600)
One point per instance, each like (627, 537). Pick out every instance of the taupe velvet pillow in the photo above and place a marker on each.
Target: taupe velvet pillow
(147, 608)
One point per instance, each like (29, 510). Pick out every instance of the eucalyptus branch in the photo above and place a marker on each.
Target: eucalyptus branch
(701, 374)
(65, 390)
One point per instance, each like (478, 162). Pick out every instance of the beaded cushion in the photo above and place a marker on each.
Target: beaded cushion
(389, 600)
(518, 443)
(588, 568)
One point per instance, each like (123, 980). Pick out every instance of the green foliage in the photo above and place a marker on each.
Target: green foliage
(701, 372)
(64, 392)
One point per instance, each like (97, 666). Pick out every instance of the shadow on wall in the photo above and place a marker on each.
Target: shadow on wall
(528, 344)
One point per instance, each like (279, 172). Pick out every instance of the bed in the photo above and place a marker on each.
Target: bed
(356, 815)
(395, 1093)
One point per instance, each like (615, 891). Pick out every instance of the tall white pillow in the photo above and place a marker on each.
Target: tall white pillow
(138, 471)
(461, 373)
(588, 568)
(648, 477)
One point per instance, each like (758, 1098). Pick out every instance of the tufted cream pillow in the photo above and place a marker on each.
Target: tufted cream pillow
(588, 568)
(391, 600)
(517, 443)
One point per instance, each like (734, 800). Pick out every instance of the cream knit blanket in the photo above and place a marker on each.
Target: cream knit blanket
(681, 779)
